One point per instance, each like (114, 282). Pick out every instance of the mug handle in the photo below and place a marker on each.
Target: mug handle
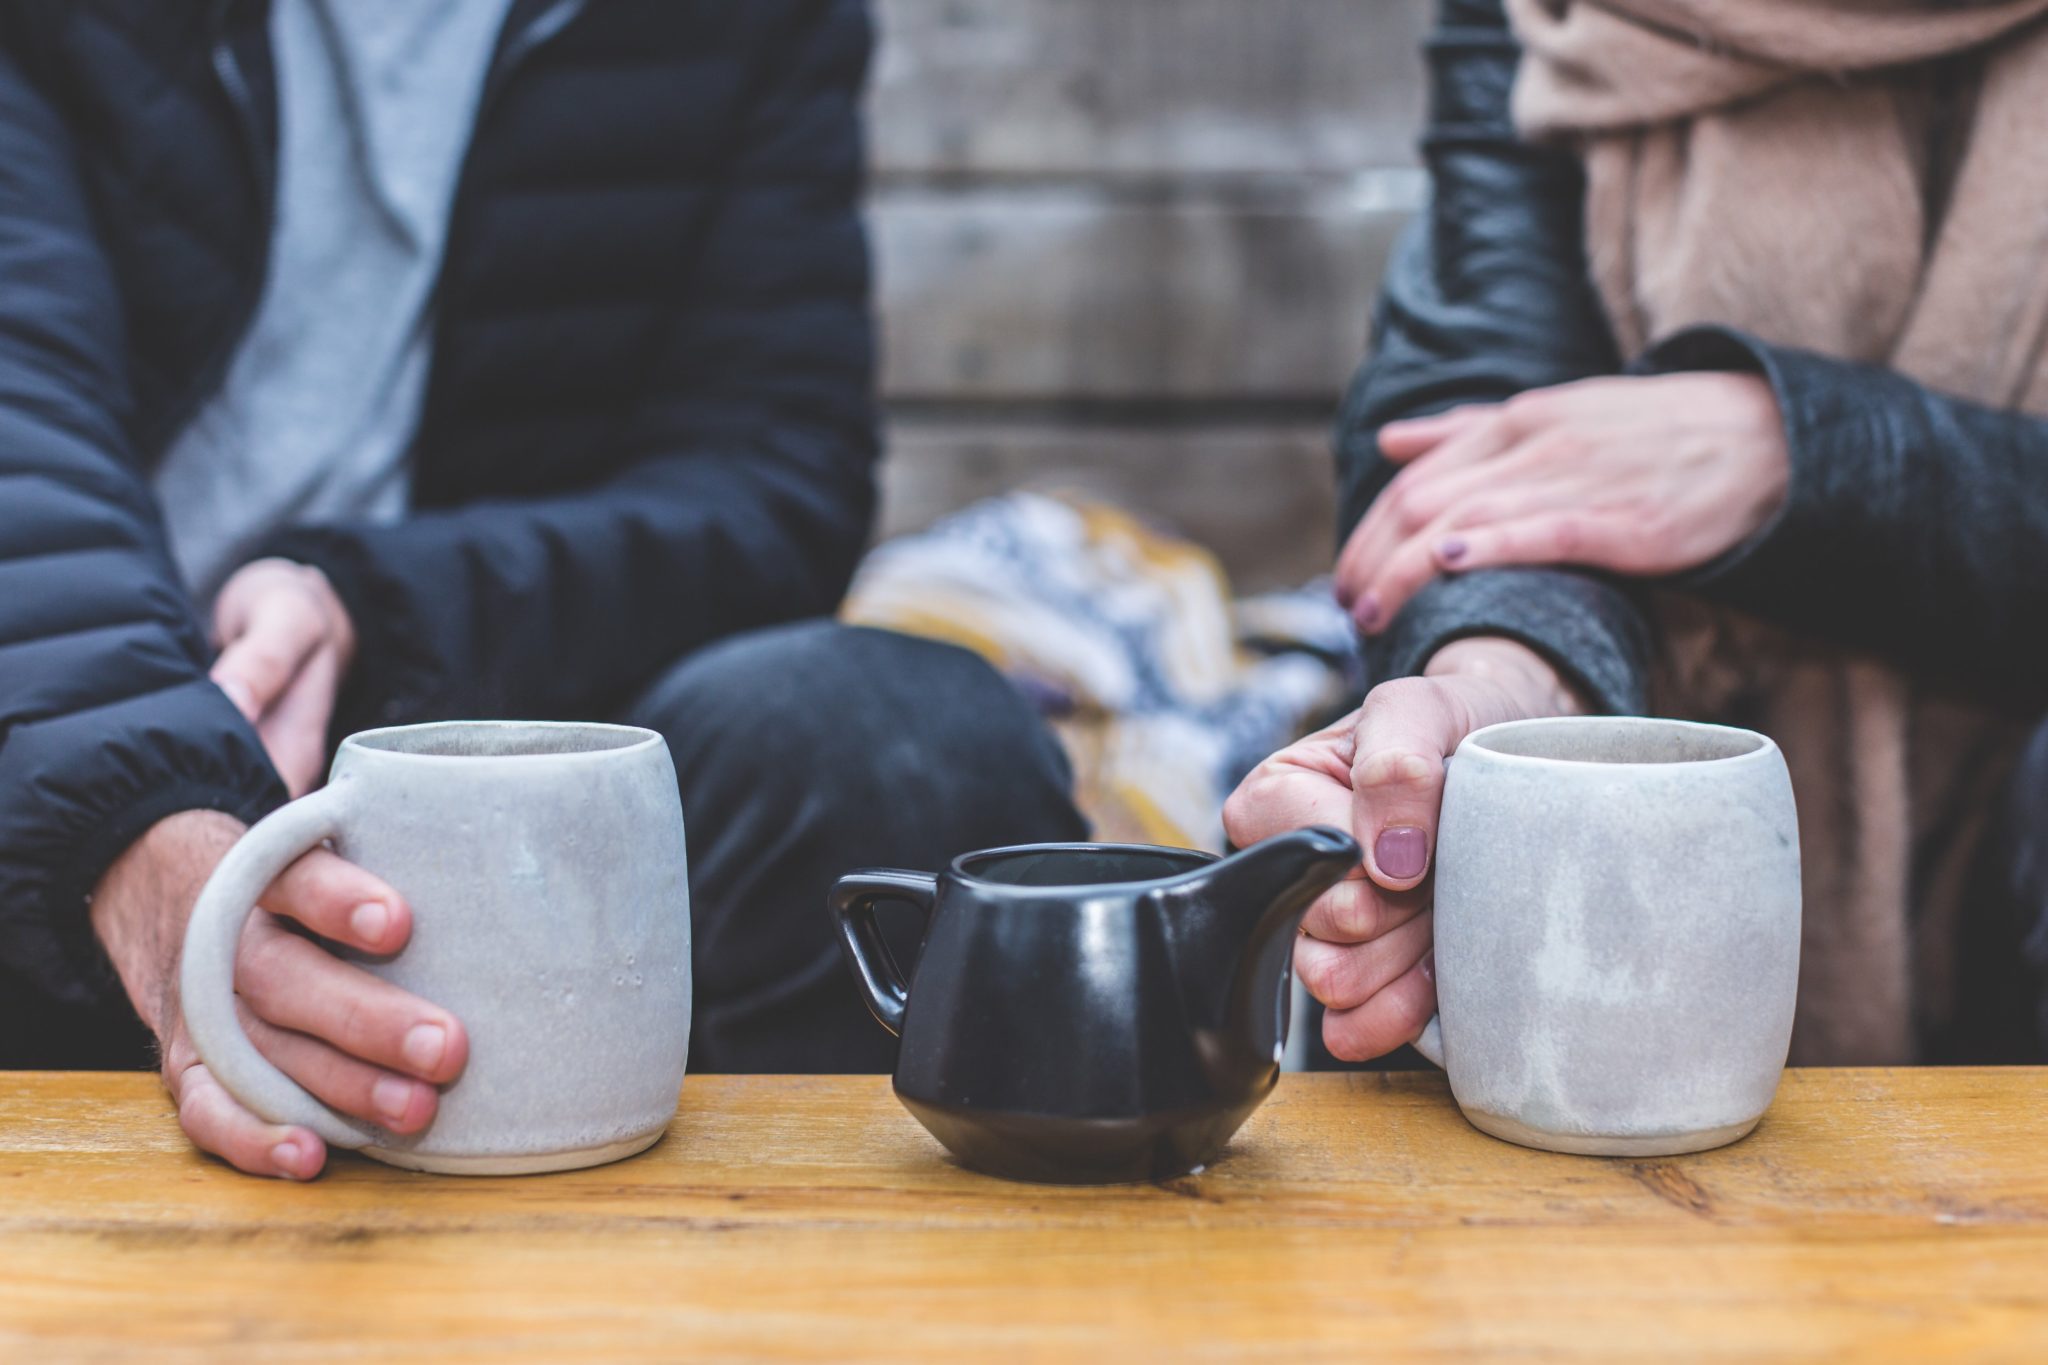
(852, 903)
(1430, 1042)
(206, 979)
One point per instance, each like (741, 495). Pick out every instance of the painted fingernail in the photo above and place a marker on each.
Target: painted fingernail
(424, 1045)
(1429, 968)
(1401, 852)
(1367, 611)
(1451, 549)
(288, 1157)
(369, 920)
(391, 1096)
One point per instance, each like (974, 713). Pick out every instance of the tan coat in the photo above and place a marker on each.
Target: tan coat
(1778, 166)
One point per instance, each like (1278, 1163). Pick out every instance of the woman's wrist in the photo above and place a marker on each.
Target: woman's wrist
(1531, 682)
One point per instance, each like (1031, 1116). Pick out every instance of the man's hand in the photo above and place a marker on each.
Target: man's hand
(1643, 475)
(358, 1043)
(1379, 772)
(286, 644)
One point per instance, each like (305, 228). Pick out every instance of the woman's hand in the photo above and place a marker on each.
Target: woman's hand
(1641, 475)
(1379, 772)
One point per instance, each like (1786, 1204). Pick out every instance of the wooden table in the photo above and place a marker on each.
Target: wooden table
(1875, 1214)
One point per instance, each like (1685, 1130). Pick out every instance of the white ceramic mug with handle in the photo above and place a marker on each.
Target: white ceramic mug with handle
(1617, 919)
(545, 868)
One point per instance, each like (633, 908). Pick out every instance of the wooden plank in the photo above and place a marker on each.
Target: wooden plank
(1146, 87)
(1874, 1216)
(1058, 293)
(1260, 497)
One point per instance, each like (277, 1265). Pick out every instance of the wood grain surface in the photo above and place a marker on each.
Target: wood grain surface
(1146, 215)
(1145, 88)
(1875, 1215)
(1052, 295)
(1257, 495)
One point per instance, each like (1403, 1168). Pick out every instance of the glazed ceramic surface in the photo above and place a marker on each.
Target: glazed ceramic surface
(1617, 932)
(1087, 1013)
(545, 869)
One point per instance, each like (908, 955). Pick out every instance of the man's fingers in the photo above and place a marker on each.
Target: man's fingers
(296, 984)
(1406, 729)
(1346, 975)
(217, 1123)
(397, 1103)
(257, 665)
(1390, 1018)
(338, 900)
(294, 730)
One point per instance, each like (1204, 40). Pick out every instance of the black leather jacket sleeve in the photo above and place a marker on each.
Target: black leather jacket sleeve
(1916, 524)
(1488, 295)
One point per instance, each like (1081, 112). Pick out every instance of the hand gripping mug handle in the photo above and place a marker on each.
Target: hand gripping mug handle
(852, 903)
(206, 980)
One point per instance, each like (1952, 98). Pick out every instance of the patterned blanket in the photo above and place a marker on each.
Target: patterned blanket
(1164, 691)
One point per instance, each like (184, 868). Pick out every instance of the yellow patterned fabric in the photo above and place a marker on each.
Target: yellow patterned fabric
(1163, 690)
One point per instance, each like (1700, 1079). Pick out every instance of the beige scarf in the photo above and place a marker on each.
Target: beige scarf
(1781, 166)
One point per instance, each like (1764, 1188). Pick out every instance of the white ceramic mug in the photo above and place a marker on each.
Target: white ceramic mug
(1617, 916)
(545, 868)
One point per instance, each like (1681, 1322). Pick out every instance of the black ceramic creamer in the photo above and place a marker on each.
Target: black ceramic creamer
(1086, 1013)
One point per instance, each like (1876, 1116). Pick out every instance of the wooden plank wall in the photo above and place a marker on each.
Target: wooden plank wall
(1129, 246)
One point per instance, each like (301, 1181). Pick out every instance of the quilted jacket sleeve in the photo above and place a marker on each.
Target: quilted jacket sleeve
(750, 492)
(107, 720)
(1487, 295)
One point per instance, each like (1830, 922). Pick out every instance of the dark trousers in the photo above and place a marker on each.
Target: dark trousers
(803, 752)
(2002, 958)
(806, 751)
(2026, 870)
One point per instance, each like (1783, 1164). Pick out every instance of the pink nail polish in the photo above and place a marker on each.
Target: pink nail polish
(1452, 549)
(1367, 612)
(1401, 852)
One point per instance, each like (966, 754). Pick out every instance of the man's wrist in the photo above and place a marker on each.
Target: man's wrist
(142, 901)
(1526, 676)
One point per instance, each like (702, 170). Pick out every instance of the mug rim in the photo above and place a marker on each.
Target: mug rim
(957, 869)
(633, 739)
(1762, 750)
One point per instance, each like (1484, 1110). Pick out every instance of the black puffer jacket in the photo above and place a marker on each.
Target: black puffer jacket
(648, 424)
(1917, 523)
